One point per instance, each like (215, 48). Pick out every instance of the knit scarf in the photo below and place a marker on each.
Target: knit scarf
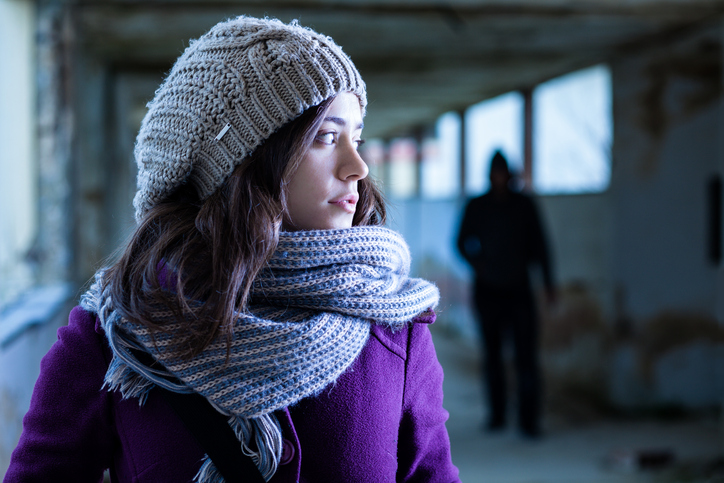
(310, 316)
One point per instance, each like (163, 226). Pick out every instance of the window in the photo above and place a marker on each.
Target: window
(17, 184)
(440, 175)
(373, 153)
(572, 135)
(402, 180)
(572, 129)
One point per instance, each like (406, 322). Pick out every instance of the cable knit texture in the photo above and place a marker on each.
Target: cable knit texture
(227, 93)
(310, 317)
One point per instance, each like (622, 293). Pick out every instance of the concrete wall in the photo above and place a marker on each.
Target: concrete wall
(580, 230)
(667, 111)
(666, 131)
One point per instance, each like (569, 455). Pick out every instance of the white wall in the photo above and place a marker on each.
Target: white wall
(580, 230)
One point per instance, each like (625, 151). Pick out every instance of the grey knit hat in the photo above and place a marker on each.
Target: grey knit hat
(227, 93)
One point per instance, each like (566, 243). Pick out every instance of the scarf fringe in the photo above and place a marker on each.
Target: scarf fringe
(267, 434)
(208, 472)
(123, 373)
(120, 377)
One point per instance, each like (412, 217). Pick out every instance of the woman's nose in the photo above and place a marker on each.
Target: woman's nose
(351, 166)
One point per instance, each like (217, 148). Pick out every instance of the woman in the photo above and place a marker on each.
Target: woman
(260, 278)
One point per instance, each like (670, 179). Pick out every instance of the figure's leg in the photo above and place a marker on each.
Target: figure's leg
(493, 370)
(526, 343)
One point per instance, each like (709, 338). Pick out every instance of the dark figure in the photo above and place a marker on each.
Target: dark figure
(500, 237)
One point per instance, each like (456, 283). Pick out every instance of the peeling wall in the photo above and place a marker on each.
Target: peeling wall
(667, 122)
(647, 335)
(55, 130)
(666, 127)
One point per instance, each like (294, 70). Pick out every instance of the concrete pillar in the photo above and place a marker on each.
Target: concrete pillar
(527, 139)
(52, 251)
(419, 135)
(463, 153)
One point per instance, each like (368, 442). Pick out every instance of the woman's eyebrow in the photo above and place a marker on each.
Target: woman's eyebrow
(341, 122)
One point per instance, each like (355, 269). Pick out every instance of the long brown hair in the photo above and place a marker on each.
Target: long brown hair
(206, 253)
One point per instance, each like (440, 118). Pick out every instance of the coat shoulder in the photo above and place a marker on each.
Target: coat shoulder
(397, 341)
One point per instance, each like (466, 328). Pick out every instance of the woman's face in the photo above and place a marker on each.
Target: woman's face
(322, 193)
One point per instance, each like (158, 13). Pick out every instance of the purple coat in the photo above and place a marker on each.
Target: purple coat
(382, 420)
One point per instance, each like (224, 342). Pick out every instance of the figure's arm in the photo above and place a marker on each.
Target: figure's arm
(540, 251)
(68, 430)
(424, 445)
(466, 237)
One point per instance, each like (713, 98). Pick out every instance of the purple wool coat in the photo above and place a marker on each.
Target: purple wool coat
(381, 421)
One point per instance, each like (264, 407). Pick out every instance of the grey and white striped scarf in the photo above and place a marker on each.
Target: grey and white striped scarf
(321, 291)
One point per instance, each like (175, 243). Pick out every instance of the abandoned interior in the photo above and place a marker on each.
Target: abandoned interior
(639, 324)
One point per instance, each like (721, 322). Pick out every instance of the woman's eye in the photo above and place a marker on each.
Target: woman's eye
(359, 142)
(326, 138)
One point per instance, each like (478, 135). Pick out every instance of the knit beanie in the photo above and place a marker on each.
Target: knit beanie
(228, 92)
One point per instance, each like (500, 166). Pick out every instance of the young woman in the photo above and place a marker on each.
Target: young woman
(259, 277)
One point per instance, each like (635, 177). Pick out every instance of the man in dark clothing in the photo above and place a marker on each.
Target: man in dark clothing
(500, 237)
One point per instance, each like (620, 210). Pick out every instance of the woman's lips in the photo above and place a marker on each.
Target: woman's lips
(348, 203)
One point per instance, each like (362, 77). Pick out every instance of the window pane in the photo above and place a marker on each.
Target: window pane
(18, 191)
(495, 124)
(402, 181)
(373, 153)
(441, 159)
(572, 129)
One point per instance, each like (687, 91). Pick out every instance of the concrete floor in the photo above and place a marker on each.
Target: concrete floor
(572, 451)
